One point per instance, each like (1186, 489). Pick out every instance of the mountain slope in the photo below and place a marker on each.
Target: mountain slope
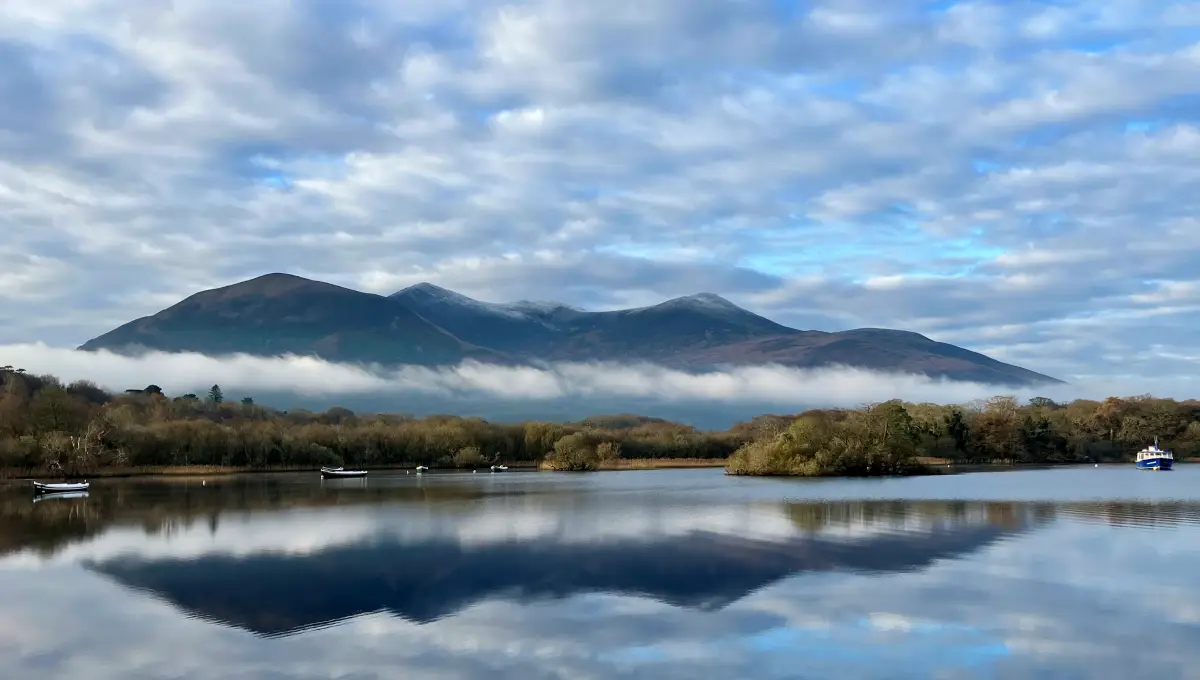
(871, 348)
(428, 325)
(696, 332)
(665, 332)
(281, 314)
(555, 331)
(524, 327)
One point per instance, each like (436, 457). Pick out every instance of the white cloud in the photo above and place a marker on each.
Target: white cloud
(775, 386)
(149, 153)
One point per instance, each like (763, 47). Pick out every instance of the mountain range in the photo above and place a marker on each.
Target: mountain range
(424, 324)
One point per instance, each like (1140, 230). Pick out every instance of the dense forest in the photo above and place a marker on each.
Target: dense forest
(76, 428)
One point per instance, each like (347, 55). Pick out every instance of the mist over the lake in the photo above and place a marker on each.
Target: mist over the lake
(561, 391)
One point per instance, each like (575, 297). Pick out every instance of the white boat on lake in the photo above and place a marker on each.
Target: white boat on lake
(62, 487)
(341, 472)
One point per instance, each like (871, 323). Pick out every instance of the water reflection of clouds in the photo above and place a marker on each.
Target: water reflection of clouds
(953, 619)
(305, 531)
(1034, 595)
(1062, 601)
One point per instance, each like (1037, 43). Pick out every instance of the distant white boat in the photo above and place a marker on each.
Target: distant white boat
(342, 472)
(421, 468)
(63, 487)
(499, 468)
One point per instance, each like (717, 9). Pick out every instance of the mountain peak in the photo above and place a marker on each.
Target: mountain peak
(277, 276)
(703, 301)
(280, 278)
(428, 291)
(708, 299)
(426, 287)
(269, 286)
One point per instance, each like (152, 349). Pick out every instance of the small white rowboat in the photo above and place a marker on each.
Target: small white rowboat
(342, 472)
(64, 487)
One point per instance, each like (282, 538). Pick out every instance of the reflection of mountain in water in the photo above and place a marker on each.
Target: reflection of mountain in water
(279, 594)
(425, 577)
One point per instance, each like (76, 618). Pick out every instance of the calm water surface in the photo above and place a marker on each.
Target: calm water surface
(1072, 573)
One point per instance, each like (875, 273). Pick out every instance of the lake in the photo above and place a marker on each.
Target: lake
(656, 575)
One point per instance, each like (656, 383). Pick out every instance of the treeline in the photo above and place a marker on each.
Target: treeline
(875, 441)
(894, 437)
(46, 425)
(74, 428)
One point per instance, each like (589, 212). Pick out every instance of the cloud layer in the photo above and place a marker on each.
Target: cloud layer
(1015, 177)
(534, 392)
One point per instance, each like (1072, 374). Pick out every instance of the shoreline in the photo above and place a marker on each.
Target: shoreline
(190, 471)
(623, 464)
(947, 468)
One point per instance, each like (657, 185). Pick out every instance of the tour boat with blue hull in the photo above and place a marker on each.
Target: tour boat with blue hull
(1154, 458)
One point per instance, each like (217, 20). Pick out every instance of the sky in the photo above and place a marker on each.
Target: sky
(1012, 177)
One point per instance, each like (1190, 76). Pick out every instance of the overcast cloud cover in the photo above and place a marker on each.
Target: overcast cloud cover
(1019, 178)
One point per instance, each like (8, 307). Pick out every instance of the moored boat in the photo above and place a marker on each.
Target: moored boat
(62, 487)
(499, 468)
(1154, 458)
(342, 472)
(421, 468)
